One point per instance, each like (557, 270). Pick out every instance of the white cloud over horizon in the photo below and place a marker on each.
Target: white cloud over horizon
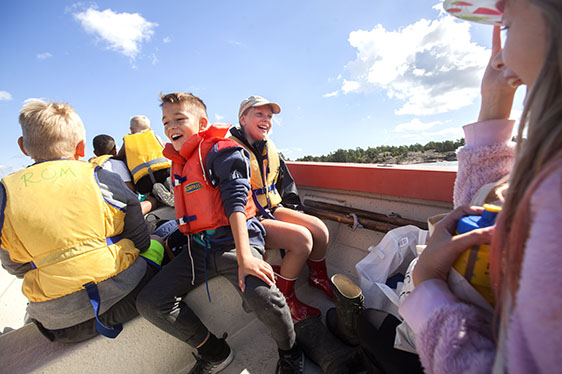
(5, 96)
(415, 125)
(431, 66)
(424, 137)
(123, 32)
(291, 152)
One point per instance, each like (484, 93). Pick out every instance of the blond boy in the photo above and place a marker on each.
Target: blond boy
(211, 182)
(71, 230)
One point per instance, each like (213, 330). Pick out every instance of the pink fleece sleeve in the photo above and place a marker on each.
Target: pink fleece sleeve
(485, 133)
(487, 157)
(451, 337)
(535, 330)
(423, 301)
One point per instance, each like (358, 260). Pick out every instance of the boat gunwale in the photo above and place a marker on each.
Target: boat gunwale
(418, 182)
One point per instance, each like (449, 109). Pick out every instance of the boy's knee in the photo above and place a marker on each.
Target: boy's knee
(259, 294)
(304, 237)
(145, 302)
(320, 231)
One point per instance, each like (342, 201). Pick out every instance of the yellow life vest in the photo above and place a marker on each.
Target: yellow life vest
(100, 160)
(56, 218)
(144, 153)
(264, 176)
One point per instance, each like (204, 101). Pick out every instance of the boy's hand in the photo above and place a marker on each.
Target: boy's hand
(247, 263)
(256, 267)
(443, 247)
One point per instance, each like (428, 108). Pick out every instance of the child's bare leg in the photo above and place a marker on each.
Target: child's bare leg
(295, 240)
(317, 228)
(318, 274)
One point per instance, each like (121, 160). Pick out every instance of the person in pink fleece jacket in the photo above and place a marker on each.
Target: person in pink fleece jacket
(454, 337)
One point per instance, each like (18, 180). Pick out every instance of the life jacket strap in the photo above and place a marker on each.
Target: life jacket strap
(186, 219)
(94, 296)
(266, 214)
(207, 246)
(151, 175)
(147, 165)
(2, 208)
(112, 239)
(178, 179)
(264, 190)
(262, 210)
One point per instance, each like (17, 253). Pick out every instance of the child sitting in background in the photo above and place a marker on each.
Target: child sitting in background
(106, 152)
(142, 150)
(303, 236)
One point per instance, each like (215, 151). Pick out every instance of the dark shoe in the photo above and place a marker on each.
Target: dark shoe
(208, 366)
(333, 356)
(290, 363)
(349, 300)
(163, 194)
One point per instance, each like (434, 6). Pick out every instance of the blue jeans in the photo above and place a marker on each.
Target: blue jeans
(161, 300)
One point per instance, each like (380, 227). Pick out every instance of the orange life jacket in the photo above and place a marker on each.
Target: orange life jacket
(198, 203)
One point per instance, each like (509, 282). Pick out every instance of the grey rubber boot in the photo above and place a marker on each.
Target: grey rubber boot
(325, 350)
(349, 300)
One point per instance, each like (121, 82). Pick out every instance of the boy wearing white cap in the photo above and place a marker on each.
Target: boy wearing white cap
(303, 236)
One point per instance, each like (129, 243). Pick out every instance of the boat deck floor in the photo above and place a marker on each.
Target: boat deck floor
(254, 350)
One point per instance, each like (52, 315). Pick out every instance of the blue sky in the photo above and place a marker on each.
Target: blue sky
(347, 74)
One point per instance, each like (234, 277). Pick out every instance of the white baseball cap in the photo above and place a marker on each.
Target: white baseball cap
(253, 101)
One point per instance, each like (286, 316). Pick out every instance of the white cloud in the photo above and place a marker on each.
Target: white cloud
(415, 125)
(44, 55)
(153, 59)
(350, 86)
(124, 32)
(432, 66)
(424, 137)
(167, 40)
(5, 96)
(218, 117)
(291, 152)
(331, 94)
(13, 164)
(237, 43)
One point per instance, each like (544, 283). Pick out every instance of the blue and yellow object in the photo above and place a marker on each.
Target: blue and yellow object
(474, 263)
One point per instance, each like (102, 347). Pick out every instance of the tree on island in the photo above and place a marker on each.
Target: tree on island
(392, 154)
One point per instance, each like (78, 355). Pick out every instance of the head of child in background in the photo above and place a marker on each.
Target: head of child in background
(51, 131)
(183, 115)
(104, 145)
(255, 116)
(139, 124)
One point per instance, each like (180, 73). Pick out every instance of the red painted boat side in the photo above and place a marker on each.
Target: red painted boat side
(430, 183)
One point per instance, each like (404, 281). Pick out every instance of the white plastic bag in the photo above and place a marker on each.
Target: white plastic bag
(391, 256)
